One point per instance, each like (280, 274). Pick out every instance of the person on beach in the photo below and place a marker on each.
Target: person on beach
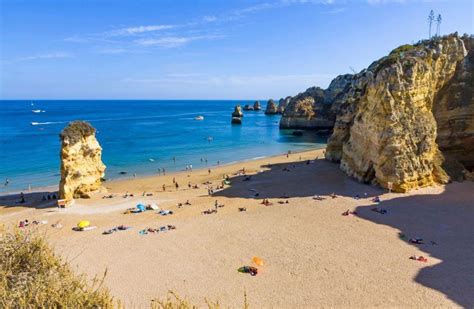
(209, 171)
(134, 175)
(216, 204)
(6, 181)
(164, 188)
(164, 172)
(191, 167)
(218, 162)
(206, 161)
(22, 198)
(176, 185)
(174, 180)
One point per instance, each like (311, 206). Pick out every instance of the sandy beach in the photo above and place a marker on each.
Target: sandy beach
(314, 256)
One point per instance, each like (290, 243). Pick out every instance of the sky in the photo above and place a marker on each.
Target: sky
(202, 49)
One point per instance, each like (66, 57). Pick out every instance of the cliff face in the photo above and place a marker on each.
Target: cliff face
(81, 163)
(386, 130)
(408, 119)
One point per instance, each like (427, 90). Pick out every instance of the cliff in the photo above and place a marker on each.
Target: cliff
(81, 165)
(408, 119)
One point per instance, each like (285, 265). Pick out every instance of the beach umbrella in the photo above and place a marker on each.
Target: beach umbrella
(83, 224)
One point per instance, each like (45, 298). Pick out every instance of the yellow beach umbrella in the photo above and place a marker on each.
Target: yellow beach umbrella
(82, 224)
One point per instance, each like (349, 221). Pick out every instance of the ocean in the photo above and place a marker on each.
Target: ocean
(137, 136)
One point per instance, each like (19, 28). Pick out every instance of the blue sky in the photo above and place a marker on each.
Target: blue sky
(152, 49)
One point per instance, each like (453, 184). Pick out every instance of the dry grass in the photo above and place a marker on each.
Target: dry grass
(32, 276)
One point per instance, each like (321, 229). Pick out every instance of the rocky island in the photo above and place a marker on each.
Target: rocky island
(407, 120)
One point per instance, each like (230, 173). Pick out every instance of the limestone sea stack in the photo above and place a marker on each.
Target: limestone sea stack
(282, 104)
(271, 108)
(82, 169)
(237, 112)
(256, 106)
(408, 119)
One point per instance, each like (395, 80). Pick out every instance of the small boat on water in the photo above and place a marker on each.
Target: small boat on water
(199, 118)
(38, 111)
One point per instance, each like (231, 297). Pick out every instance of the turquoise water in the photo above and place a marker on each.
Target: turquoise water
(136, 137)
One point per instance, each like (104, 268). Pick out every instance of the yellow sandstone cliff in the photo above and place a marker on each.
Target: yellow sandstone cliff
(82, 169)
(408, 119)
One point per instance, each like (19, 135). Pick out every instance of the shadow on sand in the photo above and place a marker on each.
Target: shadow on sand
(323, 178)
(448, 220)
(33, 200)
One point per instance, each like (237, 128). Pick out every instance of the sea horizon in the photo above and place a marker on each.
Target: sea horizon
(137, 136)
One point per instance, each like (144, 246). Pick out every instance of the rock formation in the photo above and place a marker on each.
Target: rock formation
(271, 108)
(408, 119)
(82, 169)
(256, 106)
(248, 108)
(236, 120)
(237, 112)
(282, 104)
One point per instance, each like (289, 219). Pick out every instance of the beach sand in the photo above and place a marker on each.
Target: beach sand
(314, 256)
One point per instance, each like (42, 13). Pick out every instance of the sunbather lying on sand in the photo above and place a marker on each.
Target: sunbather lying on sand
(266, 202)
(318, 198)
(209, 211)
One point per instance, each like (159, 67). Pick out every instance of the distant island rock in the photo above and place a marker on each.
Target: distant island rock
(256, 106)
(248, 108)
(237, 112)
(82, 169)
(407, 120)
(271, 108)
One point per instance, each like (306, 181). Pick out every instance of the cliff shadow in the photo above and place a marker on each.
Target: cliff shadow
(37, 200)
(297, 179)
(446, 219)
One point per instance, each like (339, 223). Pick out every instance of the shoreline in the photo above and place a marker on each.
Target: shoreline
(54, 188)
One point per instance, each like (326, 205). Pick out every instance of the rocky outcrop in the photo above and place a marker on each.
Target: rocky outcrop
(282, 104)
(408, 119)
(271, 108)
(316, 108)
(386, 126)
(256, 106)
(248, 108)
(237, 112)
(82, 169)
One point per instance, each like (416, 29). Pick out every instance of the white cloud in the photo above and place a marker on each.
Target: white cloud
(137, 30)
(53, 55)
(174, 41)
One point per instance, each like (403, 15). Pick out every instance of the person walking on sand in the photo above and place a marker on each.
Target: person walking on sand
(176, 185)
(174, 180)
(216, 204)
(209, 171)
(164, 188)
